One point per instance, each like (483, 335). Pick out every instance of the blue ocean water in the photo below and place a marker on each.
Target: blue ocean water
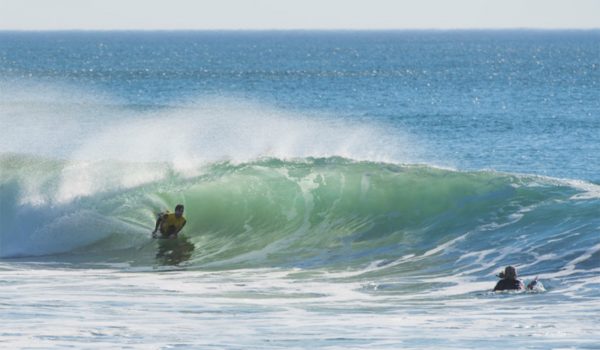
(345, 189)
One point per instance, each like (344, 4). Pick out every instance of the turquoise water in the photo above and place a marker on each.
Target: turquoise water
(342, 189)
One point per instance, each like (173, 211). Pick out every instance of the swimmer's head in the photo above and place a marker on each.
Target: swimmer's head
(509, 272)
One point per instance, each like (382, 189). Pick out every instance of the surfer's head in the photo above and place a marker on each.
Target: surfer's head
(179, 210)
(509, 273)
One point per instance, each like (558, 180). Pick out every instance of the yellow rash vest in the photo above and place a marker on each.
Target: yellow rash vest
(171, 223)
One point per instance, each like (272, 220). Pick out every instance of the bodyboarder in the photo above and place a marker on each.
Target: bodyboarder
(169, 224)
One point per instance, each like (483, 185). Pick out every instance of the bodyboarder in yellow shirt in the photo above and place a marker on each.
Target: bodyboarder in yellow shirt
(170, 224)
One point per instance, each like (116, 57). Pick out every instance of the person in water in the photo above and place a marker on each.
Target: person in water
(509, 281)
(170, 224)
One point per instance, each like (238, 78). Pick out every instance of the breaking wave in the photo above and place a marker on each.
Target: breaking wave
(330, 213)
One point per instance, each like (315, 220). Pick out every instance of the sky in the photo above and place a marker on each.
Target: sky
(297, 14)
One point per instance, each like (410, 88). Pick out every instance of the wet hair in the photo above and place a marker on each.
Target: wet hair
(509, 272)
(179, 206)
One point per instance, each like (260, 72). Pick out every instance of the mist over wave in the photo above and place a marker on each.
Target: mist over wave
(72, 124)
(59, 122)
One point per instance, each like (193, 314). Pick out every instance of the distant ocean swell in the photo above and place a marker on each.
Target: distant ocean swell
(330, 213)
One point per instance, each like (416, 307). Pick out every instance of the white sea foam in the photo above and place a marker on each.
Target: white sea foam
(271, 309)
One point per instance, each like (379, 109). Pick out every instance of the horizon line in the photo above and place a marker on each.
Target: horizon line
(299, 29)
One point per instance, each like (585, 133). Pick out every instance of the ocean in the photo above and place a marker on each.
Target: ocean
(342, 189)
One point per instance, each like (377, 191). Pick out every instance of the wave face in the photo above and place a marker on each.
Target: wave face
(311, 213)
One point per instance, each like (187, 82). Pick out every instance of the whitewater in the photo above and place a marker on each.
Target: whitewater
(361, 195)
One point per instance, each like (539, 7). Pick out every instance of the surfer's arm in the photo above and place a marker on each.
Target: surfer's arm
(158, 222)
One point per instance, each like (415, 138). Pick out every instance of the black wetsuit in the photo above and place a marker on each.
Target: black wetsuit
(508, 284)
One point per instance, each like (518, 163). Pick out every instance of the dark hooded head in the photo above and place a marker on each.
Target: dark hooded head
(509, 272)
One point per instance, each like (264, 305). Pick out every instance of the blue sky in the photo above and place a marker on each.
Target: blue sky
(297, 14)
